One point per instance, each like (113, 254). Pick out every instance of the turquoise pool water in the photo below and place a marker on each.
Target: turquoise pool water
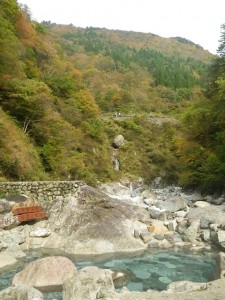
(151, 270)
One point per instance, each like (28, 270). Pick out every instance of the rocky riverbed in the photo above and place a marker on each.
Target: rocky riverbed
(120, 217)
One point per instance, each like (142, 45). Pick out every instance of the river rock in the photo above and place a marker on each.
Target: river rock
(205, 235)
(181, 226)
(159, 237)
(218, 201)
(220, 266)
(204, 224)
(201, 204)
(121, 277)
(153, 244)
(155, 213)
(40, 232)
(213, 214)
(157, 227)
(218, 238)
(6, 260)
(196, 196)
(8, 221)
(46, 274)
(173, 238)
(90, 283)
(21, 292)
(11, 241)
(185, 286)
(118, 141)
(146, 236)
(180, 214)
(172, 204)
(190, 234)
(5, 206)
(172, 225)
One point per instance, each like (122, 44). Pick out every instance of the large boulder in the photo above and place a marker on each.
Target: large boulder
(21, 292)
(118, 141)
(94, 223)
(213, 214)
(172, 204)
(89, 283)
(46, 274)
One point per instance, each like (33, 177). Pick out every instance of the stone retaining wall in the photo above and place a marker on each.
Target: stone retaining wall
(41, 190)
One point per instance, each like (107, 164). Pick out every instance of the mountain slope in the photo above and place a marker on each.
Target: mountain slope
(60, 87)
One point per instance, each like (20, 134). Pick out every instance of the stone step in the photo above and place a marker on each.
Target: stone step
(27, 209)
(31, 216)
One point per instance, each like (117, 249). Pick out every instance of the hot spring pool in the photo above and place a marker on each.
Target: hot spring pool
(151, 270)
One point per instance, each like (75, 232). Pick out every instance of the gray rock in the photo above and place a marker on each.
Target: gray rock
(6, 260)
(136, 234)
(46, 274)
(148, 194)
(218, 201)
(8, 221)
(172, 225)
(213, 227)
(204, 223)
(218, 238)
(205, 236)
(195, 197)
(94, 223)
(212, 213)
(180, 214)
(185, 286)
(121, 277)
(155, 213)
(118, 141)
(172, 204)
(201, 204)
(15, 251)
(150, 201)
(4, 206)
(159, 237)
(191, 232)
(21, 292)
(220, 266)
(181, 226)
(153, 244)
(89, 283)
(173, 238)
(146, 237)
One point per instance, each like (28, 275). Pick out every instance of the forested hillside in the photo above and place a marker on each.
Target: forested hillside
(60, 87)
(202, 149)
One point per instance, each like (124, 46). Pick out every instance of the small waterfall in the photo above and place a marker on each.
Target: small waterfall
(116, 164)
(132, 193)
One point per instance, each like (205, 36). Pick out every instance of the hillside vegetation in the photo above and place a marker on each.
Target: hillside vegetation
(60, 87)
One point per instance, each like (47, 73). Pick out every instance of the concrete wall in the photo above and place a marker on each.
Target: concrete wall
(41, 190)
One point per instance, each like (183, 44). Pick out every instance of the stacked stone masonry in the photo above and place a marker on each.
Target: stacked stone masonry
(41, 190)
